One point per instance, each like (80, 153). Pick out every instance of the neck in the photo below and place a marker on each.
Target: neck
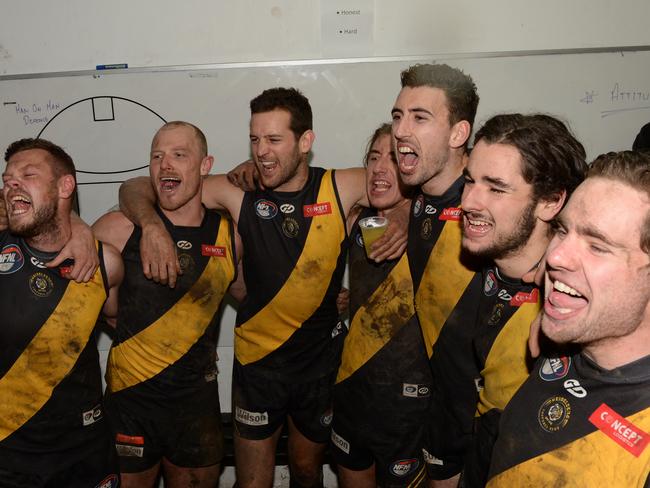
(615, 352)
(524, 260)
(386, 212)
(439, 183)
(53, 240)
(189, 215)
(297, 181)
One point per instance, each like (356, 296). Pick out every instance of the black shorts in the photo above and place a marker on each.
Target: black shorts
(260, 405)
(97, 469)
(187, 435)
(378, 424)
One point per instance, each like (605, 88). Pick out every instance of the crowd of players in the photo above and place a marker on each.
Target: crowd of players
(441, 380)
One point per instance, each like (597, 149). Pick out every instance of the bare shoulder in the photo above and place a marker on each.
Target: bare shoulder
(218, 193)
(351, 185)
(113, 228)
(113, 264)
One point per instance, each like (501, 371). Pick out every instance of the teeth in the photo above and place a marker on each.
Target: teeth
(479, 223)
(169, 178)
(268, 164)
(380, 183)
(405, 150)
(564, 288)
(19, 198)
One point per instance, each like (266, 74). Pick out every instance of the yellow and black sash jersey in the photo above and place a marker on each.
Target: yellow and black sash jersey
(50, 379)
(295, 247)
(384, 345)
(165, 342)
(574, 424)
(439, 274)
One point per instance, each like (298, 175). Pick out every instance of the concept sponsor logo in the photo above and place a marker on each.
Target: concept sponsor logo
(317, 209)
(522, 297)
(290, 227)
(555, 368)
(266, 209)
(185, 245)
(415, 391)
(129, 451)
(91, 416)
(110, 481)
(287, 208)
(430, 209)
(490, 285)
(210, 250)
(418, 205)
(41, 284)
(620, 430)
(326, 419)
(137, 440)
(451, 213)
(404, 466)
(340, 442)
(497, 314)
(251, 418)
(554, 414)
(11, 259)
(37, 263)
(431, 459)
(426, 229)
(574, 387)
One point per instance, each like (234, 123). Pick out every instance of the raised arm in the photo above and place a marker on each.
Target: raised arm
(81, 249)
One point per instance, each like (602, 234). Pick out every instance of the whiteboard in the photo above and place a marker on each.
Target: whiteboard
(106, 121)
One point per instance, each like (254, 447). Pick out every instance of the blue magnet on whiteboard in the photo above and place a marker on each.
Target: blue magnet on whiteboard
(112, 66)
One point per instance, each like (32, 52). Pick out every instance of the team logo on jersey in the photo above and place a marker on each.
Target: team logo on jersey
(37, 263)
(359, 239)
(490, 286)
(316, 209)
(251, 418)
(211, 250)
(415, 391)
(404, 466)
(418, 205)
(555, 368)
(574, 387)
(91, 416)
(340, 442)
(287, 208)
(430, 209)
(326, 418)
(522, 297)
(11, 259)
(554, 414)
(497, 314)
(426, 229)
(451, 213)
(185, 245)
(266, 209)
(41, 284)
(620, 430)
(186, 262)
(290, 227)
(111, 481)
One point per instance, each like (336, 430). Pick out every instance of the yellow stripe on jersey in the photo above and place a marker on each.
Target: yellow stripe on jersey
(593, 460)
(505, 367)
(443, 282)
(169, 338)
(304, 290)
(388, 309)
(51, 354)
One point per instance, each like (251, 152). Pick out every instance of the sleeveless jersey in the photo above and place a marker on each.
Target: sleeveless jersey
(384, 344)
(50, 379)
(165, 342)
(295, 247)
(573, 423)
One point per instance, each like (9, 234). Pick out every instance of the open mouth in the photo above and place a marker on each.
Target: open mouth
(378, 186)
(268, 166)
(169, 183)
(476, 226)
(407, 159)
(20, 204)
(564, 301)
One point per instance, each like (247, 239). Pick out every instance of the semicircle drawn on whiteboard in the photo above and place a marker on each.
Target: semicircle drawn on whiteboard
(107, 136)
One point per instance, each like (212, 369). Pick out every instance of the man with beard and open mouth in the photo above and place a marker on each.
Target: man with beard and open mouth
(162, 394)
(52, 426)
(582, 418)
(519, 174)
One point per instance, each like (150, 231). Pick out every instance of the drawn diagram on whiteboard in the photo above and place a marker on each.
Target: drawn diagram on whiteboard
(108, 137)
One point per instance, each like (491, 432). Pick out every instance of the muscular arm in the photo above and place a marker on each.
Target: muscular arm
(80, 248)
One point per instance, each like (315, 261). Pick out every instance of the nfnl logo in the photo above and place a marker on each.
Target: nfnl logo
(317, 209)
(451, 213)
(266, 209)
(404, 467)
(555, 368)
(11, 259)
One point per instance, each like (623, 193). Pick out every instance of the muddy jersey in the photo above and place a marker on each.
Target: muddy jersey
(50, 379)
(165, 342)
(295, 247)
(573, 423)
